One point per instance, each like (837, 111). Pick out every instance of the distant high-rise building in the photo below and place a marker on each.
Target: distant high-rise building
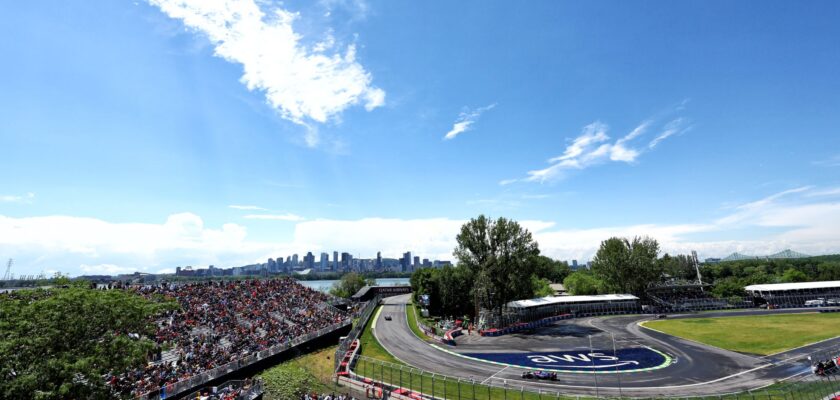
(294, 260)
(309, 261)
(426, 263)
(271, 265)
(325, 262)
(335, 261)
(346, 261)
(416, 262)
(574, 265)
(405, 262)
(378, 265)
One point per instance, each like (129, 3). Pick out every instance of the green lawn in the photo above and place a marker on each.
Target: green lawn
(758, 334)
(412, 314)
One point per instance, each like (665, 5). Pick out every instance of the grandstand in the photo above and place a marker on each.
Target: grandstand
(785, 295)
(524, 311)
(223, 326)
(784, 254)
(688, 296)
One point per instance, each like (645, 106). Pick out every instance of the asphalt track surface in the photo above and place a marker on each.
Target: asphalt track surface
(696, 369)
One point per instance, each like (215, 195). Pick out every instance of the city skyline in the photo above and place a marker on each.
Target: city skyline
(152, 134)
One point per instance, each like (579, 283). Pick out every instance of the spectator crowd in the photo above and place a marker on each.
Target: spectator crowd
(222, 322)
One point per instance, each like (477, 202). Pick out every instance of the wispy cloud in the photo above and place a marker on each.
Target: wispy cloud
(246, 208)
(275, 217)
(25, 199)
(672, 128)
(594, 146)
(465, 121)
(305, 84)
(825, 192)
(829, 162)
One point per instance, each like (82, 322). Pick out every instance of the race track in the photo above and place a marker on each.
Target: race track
(695, 369)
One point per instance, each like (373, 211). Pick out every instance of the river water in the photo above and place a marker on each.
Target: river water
(325, 285)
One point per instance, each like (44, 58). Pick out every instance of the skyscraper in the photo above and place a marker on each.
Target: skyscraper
(378, 260)
(309, 260)
(405, 262)
(325, 262)
(335, 261)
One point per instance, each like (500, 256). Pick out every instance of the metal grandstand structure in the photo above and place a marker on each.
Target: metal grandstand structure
(784, 254)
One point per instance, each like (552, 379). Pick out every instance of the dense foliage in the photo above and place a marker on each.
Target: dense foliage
(729, 278)
(627, 266)
(498, 261)
(58, 343)
(286, 381)
(349, 284)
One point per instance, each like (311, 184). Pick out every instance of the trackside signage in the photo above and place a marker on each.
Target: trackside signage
(632, 359)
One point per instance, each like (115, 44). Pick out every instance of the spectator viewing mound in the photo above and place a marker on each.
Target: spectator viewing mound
(754, 334)
(221, 322)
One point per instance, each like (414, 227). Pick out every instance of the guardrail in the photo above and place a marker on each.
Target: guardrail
(215, 373)
(354, 334)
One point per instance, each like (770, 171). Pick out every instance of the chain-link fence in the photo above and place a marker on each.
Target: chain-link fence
(364, 315)
(389, 379)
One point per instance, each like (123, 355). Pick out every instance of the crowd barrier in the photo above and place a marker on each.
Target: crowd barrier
(220, 371)
(450, 340)
(364, 315)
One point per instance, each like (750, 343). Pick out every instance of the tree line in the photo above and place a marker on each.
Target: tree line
(499, 261)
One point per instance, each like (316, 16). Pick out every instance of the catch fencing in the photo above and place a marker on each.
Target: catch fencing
(382, 379)
(220, 371)
(364, 315)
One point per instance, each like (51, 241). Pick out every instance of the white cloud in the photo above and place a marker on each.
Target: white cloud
(304, 84)
(106, 269)
(830, 162)
(672, 128)
(593, 147)
(25, 199)
(275, 217)
(465, 121)
(75, 245)
(826, 192)
(246, 208)
(789, 219)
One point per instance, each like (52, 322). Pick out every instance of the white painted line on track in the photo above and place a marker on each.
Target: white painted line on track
(494, 375)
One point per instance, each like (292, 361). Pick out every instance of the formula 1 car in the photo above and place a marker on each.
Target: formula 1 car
(541, 375)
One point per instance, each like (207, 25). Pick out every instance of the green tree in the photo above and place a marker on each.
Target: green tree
(628, 266)
(426, 281)
(455, 284)
(550, 269)
(581, 283)
(680, 266)
(500, 257)
(542, 286)
(58, 343)
(794, 275)
(349, 284)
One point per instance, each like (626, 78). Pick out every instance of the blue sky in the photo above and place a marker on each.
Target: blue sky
(131, 128)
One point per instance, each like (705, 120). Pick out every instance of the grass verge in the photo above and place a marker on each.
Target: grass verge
(755, 334)
(411, 314)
